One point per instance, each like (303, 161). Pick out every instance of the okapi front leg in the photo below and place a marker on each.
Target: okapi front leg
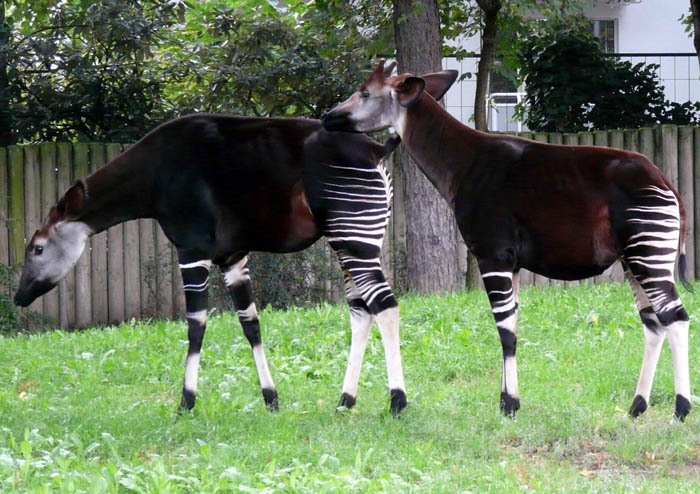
(502, 293)
(195, 280)
(237, 278)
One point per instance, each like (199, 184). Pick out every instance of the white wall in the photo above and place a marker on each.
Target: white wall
(651, 26)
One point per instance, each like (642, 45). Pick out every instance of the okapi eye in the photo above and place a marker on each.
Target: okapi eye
(364, 94)
(38, 249)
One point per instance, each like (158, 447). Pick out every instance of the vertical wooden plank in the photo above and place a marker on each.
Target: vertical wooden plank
(32, 203)
(631, 140)
(132, 270)
(556, 138)
(49, 197)
(616, 139)
(98, 245)
(147, 245)
(669, 147)
(4, 213)
(585, 138)
(115, 259)
(66, 288)
(162, 260)
(600, 138)
(647, 144)
(570, 138)
(685, 188)
(15, 172)
(83, 283)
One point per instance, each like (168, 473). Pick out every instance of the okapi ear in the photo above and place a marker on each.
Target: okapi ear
(409, 89)
(438, 83)
(72, 202)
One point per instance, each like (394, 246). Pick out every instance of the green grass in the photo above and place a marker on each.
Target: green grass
(94, 411)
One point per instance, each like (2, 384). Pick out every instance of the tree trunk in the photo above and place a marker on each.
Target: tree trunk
(432, 261)
(5, 116)
(695, 9)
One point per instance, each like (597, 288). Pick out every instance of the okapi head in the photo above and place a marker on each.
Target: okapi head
(381, 101)
(54, 248)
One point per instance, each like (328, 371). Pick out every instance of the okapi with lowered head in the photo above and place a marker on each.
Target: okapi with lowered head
(566, 212)
(222, 186)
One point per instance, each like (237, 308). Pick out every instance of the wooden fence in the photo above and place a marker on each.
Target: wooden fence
(131, 269)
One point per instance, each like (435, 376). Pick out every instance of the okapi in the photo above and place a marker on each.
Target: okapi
(221, 186)
(565, 212)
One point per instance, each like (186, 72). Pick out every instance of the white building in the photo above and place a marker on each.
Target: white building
(647, 31)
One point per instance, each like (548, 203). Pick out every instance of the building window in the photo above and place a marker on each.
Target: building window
(604, 30)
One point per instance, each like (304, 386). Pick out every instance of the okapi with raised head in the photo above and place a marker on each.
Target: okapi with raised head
(222, 186)
(565, 212)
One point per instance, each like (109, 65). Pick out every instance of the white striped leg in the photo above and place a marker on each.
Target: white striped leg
(237, 279)
(650, 254)
(678, 341)
(501, 290)
(195, 279)
(360, 325)
(388, 322)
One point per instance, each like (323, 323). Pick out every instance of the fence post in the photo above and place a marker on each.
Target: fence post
(647, 143)
(15, 172)
(685, 189)
(99, 291)
(115, 258)
(49, 192)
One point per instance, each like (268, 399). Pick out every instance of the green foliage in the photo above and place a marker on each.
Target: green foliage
(111, 70)
(94, 411)
(12, 319)
(572, 86)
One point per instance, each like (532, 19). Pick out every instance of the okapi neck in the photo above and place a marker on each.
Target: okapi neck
(119, 191)
(440, 145)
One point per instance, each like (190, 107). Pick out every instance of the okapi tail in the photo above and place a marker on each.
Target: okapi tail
(682, 261)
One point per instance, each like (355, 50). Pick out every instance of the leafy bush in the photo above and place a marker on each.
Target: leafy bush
(571, 85)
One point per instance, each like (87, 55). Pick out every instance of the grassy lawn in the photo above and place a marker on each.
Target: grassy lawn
(94, 411)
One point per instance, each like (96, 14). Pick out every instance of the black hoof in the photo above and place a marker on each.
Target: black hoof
(271, 400)
(398, 402)
(509, 405)
(639, 406)
(682, 408)
(186, 402)
(346, 401)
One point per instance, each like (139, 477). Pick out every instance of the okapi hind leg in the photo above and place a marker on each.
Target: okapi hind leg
(195, 281)
(502, 291)
(649, 256)
(369, 294)
(237, 279)
(360, 325)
